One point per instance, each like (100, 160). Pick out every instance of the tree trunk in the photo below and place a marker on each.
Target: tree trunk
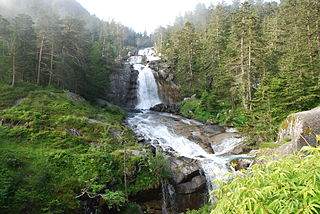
(39, 61)
(243, 75)
(51, 64)
(13, 68)
(249, 90)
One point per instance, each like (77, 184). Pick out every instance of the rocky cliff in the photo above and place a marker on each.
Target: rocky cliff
(168, 90)
(122, 90)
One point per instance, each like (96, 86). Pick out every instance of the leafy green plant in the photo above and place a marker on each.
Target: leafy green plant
(289, 185)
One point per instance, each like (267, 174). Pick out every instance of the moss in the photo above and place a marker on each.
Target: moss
(307, 131)
(284, 125)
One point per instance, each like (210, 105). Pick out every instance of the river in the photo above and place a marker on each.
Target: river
(164, 130)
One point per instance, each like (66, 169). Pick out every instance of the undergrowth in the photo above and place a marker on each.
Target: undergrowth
(288, 185)
(54, 147)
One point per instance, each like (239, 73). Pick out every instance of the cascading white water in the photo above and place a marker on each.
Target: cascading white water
(147, 89)
(152, 126)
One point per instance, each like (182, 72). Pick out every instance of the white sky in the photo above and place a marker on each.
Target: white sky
(141, 15)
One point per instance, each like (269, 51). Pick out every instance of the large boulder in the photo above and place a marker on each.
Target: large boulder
(183, 169)
(228, 143)
(190, 191)
(168, 108)
(197, 183)
(298, 130)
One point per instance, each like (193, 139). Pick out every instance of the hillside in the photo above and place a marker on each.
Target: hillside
(35, 8)
(55, 146)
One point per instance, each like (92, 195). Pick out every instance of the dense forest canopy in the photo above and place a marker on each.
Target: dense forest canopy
(59, 43)
(252, 63)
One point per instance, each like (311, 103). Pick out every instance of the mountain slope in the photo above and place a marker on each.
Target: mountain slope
(35, 8)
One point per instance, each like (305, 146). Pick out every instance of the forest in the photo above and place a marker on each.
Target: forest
(71, 52)
(250, 64)
(246, 65)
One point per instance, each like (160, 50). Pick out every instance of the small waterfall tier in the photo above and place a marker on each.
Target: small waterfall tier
(147, 92)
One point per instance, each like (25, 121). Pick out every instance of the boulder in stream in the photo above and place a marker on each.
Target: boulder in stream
(168, 108)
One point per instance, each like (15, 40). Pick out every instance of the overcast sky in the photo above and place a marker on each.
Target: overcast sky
(141, 14)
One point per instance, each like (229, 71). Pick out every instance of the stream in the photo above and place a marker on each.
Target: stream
(166, 130)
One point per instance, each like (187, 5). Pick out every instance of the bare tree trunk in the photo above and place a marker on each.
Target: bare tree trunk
(249, 90)
(39, 61)
(243, 74)
(51, 63)
(13, 68)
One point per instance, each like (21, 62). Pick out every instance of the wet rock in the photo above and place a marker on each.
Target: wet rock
(168, 108)
(229, 143)
(133, 110)
(140, 139)
(183, 169)
(214, 129)
(195, 139)
(299, 129)
(197, 183)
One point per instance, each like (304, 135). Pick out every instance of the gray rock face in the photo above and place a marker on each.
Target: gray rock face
(197, 183)
(168, 90)
(214, 129)
(299, 129)
(122, 86)
(183, 169)
(189, 184)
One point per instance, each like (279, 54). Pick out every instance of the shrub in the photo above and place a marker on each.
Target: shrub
(289, 185)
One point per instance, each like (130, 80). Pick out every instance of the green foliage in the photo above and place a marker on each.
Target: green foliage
(114, 199)
(197, 109)
(50, 152)
(203, 210)
(289, 185)
(10, 95)
(153, 170)
(253, 64)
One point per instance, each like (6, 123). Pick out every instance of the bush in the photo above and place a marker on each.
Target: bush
(291, 185)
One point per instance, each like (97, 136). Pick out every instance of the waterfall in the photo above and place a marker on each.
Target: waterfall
(147, 87)
(157, 129)
(151, 127)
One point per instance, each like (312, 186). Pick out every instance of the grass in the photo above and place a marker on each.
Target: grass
(50, 152)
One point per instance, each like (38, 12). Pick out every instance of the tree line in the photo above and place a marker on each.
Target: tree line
(256, 61)
(73, 53)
